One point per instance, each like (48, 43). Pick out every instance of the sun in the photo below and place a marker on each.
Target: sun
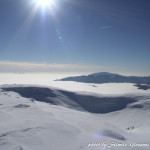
(43, 3)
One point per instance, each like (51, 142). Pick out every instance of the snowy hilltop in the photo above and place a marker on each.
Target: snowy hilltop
(44, 118)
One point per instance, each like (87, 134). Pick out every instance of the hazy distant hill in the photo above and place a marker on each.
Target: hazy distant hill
(105, 77)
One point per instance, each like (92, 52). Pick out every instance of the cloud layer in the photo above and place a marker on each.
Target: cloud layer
(23, 67)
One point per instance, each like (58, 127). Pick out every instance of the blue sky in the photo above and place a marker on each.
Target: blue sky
(110, 35)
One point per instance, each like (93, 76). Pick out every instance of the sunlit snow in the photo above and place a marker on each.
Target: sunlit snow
(27, 124)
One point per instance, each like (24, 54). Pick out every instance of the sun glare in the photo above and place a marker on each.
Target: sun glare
(43, 3)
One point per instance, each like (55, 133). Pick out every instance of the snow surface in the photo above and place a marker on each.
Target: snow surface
(34, 125)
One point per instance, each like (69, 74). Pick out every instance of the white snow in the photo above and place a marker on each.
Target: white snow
(27, 125)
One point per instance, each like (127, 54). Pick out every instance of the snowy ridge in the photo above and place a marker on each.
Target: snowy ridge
(74, 100)
(28, 124)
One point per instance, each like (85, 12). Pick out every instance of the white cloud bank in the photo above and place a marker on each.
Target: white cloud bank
(25, 67)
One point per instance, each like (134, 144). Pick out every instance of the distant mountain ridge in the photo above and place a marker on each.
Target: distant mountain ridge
(103, 73)
(106, 77)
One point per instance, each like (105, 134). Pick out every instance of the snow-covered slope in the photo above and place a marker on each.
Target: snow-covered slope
(27, 124)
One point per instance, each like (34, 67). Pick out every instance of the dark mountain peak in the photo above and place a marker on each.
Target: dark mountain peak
(106, 77)
(104, 73)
